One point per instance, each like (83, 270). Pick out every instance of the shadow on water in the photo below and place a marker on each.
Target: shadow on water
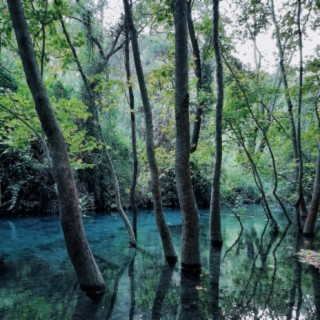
(162, 289)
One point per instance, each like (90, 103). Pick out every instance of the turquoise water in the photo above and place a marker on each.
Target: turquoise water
(254, 276)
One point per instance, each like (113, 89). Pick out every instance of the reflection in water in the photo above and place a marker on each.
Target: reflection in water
(162, 289)
(132, 288)
(124, 266)
(189, 297)
(315, 274)
(296, 290)
(215, 261)
(259, 277)
(13, 229)
(86, 309)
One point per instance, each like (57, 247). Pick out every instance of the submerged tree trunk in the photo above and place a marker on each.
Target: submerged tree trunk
(315, 202)
(215, 219)
(163, 228)
(87, 271)
(133, 135)
(97, 130)
(190, 253)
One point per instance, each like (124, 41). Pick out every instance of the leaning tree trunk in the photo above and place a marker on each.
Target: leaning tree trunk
(163, 228)
(190, 253)
(99, 135)
(315, 202)
(215, 224)
(87, 271)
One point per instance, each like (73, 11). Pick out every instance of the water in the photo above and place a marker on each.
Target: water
(254, 276)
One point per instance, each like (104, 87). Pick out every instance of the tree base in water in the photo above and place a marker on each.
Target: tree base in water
(190, 269)
(216, 243)
(172, 260)
(94, 292)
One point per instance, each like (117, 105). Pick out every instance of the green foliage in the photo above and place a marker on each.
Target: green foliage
(7, 81)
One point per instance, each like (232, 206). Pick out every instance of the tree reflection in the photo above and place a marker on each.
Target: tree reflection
(189, 297)
(215, 262)
(162, 289)
(121, 271)
(132, 288)
(296, 286)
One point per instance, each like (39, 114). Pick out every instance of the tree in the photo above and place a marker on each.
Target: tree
(163, 228)
(215, 224)
(295, 138)
(133, 133)
(97, 131)
(88, 273)
(190, 254)
(310, 223)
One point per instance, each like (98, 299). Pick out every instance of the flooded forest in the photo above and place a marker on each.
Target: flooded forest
(159, 159)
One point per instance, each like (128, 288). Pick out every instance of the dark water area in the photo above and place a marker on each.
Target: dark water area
(254, 276)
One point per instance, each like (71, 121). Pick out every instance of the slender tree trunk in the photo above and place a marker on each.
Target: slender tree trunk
(300, 205)
(190, 253)
(315, 201)
(87, 271)
(164, 231)
(99, 135)
(266, 140)
(256, 177)
(301, 201)
(133, 135)
(198, 72)
(215, 219)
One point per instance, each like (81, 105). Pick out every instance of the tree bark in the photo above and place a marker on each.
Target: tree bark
(190, 253)
(301, 201)
(133, 135)
(87, 271)
(198, 72)
(215, 219)
(164, 231)
(97, 130)
(315, 202)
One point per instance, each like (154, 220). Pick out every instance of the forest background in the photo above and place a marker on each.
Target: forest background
(257, 127)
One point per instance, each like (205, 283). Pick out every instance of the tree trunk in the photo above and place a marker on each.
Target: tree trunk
(87, 271)
(97, 130)
(198, 73)
(300, 205)
(133, 135)
(164, 231)
(315, 202)
(301, 201)
(190, 253)
(215, 220)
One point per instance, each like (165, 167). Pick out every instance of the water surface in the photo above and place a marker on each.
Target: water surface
(254, 276)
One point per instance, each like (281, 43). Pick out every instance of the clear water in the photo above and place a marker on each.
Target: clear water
(257, 277)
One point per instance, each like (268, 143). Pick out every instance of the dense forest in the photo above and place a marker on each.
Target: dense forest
(118, 107)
